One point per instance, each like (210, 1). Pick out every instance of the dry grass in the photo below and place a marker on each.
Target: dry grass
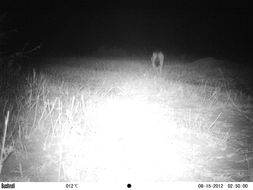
(54, 121)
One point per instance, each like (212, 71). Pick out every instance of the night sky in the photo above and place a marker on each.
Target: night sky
(207, 29)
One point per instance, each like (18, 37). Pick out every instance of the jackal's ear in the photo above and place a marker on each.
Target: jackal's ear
(154, 54)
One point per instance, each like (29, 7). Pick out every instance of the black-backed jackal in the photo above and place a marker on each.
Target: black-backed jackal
(157, 61)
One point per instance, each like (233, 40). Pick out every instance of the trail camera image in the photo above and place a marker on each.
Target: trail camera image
(134, 98)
